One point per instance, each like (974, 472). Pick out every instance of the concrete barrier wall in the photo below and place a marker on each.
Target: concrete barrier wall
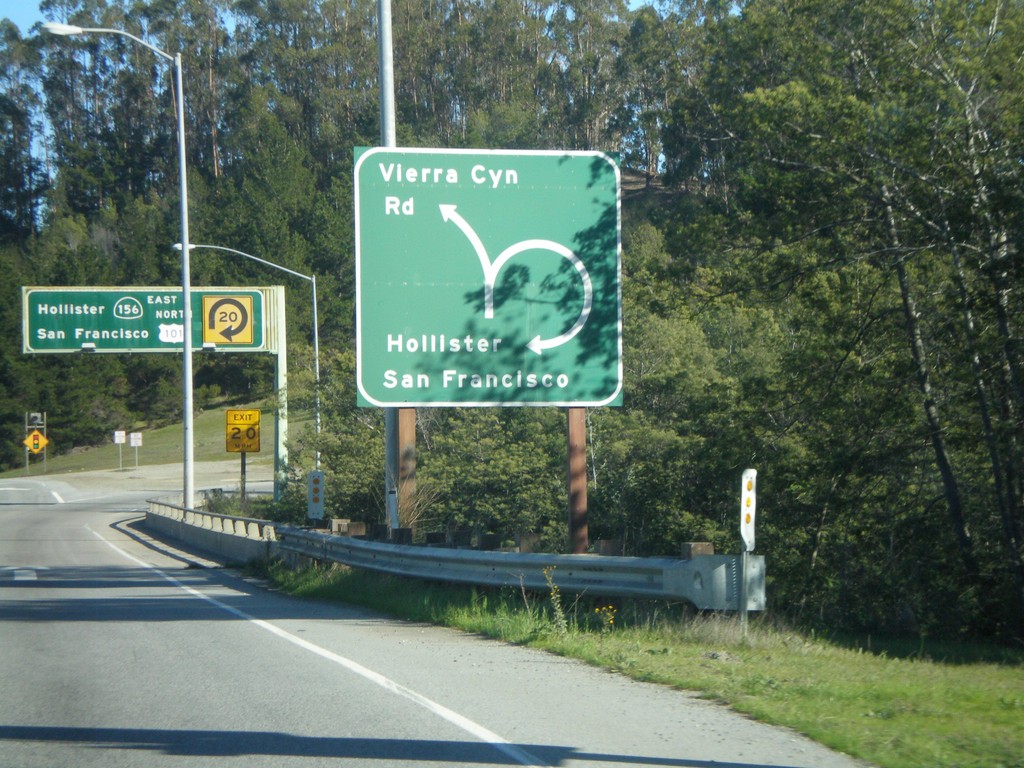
(231, 539)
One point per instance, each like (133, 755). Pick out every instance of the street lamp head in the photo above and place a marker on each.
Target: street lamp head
(56, 28)
(67, 30)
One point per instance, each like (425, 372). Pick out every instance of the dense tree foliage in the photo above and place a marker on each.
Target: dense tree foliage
(823, 208)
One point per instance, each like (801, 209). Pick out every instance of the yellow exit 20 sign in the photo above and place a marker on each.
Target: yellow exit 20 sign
(242, 431)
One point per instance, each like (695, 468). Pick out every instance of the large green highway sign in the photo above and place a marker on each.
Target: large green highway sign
(487, 278)
(141, 319)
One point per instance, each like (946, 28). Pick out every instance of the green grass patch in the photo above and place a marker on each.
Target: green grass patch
(163, 445)
(896, 712)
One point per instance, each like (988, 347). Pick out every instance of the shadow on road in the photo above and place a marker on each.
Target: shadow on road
(195, 743)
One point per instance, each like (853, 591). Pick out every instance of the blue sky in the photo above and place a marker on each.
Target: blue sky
(23, 14)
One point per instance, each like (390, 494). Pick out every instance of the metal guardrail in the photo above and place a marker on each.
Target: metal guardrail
(709, 582)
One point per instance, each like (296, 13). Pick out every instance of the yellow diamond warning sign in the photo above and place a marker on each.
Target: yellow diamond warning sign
(35, 441)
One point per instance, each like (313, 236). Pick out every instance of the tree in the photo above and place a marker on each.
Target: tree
(830, 121)
(588, 40)
(22, 179)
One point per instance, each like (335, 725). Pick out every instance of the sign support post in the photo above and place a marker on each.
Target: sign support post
(748, 511)
(119, 438)
(241, 488)
(406, 458)
(743, 592)
(135, 441)
(28, 417)
(315, 497)
(578, 521)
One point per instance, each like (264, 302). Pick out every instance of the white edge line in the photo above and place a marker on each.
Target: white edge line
(521, 756)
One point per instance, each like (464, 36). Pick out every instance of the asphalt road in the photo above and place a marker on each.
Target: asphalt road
(116, 649)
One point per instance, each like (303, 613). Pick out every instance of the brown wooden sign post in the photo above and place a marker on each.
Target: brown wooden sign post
(578, 533)
(406, 459)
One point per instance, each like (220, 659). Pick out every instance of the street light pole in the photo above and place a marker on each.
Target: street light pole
(188, 485)
(311, 279)
(399, 423)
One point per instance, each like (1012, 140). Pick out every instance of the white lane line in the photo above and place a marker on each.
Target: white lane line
(29, 488)
(24, 572)
(485, 735)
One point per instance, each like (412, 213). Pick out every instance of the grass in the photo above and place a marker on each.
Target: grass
(160, 446)
(912, 711)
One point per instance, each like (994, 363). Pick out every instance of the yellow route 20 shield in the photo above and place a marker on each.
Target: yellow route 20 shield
(228, 320)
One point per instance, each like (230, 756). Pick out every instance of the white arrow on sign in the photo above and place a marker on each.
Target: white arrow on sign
(491, 269)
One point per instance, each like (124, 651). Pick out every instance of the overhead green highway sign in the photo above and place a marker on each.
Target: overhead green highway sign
(487, 277)
(107, 319)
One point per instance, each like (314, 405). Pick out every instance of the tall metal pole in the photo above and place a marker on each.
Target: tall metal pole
(281, 390)
(188, 485)
(316, 373)
(188, 494)
(393, 437)
(316, 326)
(387, 75)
